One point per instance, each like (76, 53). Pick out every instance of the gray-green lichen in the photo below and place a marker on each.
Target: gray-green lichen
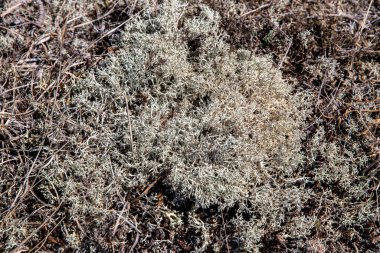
(222, 124)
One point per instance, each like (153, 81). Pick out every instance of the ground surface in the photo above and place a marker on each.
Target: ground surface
(328, 49)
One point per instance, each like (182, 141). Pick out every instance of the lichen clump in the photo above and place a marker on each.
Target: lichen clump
(220, 122)
(220, 126)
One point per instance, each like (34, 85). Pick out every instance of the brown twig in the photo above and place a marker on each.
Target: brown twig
(25, 185)
(42, 242)
(128, 222)
(92, 21)
(145, 191)
(363, 22)
(14, 7)
(256, 10)
(286, 54)
(119, 218)
(338, 15)
(135, 243)
(18, 248)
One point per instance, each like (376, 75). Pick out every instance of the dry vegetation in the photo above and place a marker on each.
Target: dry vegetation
(199, 126)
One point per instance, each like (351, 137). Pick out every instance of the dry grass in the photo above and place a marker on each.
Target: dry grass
(88, 112)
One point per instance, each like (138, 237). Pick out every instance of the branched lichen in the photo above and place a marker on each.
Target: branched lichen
(223, 124)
